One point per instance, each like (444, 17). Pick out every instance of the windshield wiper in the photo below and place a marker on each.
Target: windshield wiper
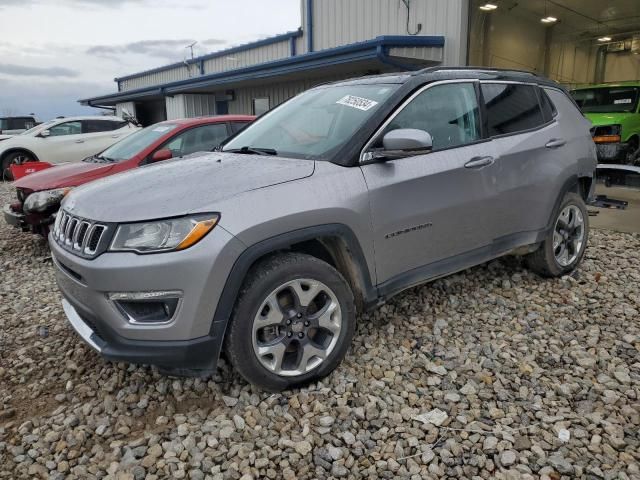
(253, 151)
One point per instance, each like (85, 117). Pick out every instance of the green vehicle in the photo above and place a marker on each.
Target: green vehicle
(613, 110)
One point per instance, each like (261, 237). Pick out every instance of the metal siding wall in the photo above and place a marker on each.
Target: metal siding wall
(175, 107)
(199, 105)
(130, 106)
(266, 53)
(340, 22)
(278, 92)
(179, 73)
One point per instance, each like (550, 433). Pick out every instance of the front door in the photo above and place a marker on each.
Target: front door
(430, 208)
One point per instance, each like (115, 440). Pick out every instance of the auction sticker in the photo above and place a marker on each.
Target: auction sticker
(357, 102)
(621, 101)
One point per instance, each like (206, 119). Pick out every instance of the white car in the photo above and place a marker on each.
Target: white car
(62, 140)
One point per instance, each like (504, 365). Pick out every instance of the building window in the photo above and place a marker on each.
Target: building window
(260, 105)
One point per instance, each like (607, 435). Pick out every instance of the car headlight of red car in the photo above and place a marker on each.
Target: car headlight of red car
(39, 202)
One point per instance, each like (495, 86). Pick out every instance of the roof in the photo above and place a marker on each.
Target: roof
(374, 49)
(211, 119)
(86, 117)
(629, 83)
(439, 73)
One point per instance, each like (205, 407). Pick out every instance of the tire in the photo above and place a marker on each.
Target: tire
(632, 157)
(555, 260)
(13, 158)
(302, 350)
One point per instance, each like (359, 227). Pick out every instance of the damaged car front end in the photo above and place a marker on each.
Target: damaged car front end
(34, 211)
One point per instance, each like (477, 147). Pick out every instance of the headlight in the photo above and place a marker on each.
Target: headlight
(42, 201)
(163, 235)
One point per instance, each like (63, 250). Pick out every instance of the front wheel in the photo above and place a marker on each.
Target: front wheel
(565, 244)
(15, 158)
(293, 322)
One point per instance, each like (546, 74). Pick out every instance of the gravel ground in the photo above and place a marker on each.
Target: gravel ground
(493, 373)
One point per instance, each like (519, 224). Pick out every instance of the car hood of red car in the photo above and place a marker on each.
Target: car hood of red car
(67, 175)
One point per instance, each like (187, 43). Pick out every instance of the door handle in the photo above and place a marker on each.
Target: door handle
(79, 141)
(479, 162)
(555, 143)
(115, 136)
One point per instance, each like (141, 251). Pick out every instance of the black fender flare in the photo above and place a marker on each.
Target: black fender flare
(243, 263)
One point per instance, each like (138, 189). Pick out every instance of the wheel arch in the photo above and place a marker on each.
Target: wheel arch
(335, 244)
(18, 149)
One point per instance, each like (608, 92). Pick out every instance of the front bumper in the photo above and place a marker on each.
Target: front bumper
(190, 340)
(612, 152)
(14, 218)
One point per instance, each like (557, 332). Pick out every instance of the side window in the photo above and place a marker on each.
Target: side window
(449, 113)
(66, 128)
(97, 126)
(199, 139)
(511, 108)
(237, 126)
(548, 109)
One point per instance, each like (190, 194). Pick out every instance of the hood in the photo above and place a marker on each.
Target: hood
(598, 119)
(173, 188)
(67, 175)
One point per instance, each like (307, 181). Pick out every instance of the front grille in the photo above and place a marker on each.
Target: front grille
(81, 236)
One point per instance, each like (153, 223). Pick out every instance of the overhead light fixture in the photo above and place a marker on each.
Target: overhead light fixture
(549, 19)
(488, 7)
(604, 39)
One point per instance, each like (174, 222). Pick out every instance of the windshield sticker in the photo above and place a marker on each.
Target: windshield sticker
(621, 101)
(161, 128)
(360, 103)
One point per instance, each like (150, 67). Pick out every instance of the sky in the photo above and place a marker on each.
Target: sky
(54, 52)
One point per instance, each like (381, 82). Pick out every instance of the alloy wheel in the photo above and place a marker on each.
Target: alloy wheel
(568, 235)
(296, 327)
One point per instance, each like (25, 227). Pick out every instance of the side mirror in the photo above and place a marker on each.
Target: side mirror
(45, 133)
(401, 143)
(162, 154)
(408, 140)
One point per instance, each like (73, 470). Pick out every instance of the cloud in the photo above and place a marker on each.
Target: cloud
(24, 70)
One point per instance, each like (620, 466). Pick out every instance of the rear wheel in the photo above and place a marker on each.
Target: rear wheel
(293, 322)
(14, 158)
(565, 244)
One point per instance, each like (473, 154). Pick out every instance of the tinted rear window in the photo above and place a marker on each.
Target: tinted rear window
(511, 108)
(548, 108)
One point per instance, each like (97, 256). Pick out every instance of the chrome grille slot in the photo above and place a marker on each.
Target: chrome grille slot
(81, 236)
(94, 239)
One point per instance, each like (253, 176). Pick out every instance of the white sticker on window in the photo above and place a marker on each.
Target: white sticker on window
(621, 100)
(357, 102)
(161, 128)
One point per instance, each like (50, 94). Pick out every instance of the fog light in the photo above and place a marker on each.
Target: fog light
(147, 307)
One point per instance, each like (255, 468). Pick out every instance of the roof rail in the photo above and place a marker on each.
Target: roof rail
(475, 69)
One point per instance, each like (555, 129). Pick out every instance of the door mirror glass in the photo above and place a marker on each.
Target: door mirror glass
(45, 133)
(162, 154)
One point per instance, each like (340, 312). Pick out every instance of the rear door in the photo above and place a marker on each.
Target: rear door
(427, 209)
(102, 133)
(530, 148)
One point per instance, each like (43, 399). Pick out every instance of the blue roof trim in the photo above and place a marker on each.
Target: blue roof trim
(369, 49)
(229, 51)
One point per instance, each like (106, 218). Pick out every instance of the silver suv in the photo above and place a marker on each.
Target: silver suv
(328, 205)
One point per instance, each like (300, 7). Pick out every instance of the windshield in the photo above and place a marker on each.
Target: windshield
(607, 99)
(313, 124)
(136, 142)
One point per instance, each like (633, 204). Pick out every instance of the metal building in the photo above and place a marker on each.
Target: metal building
(571, 41)
(338, 39)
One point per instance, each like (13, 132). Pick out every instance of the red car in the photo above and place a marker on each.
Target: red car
(40, 194)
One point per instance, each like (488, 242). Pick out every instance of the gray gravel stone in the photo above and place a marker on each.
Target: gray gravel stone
(512, 359)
